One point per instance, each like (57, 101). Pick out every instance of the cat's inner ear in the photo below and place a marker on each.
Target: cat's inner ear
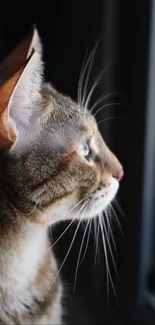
(19, 116)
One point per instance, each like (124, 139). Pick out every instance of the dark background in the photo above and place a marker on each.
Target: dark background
(69, 28)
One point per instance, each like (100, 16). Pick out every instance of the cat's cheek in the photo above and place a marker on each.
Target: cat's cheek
(87, 176)
(92, 181)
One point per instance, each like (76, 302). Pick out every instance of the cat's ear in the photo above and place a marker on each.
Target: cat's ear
(36, 44)
(19, 116)
(20, 98)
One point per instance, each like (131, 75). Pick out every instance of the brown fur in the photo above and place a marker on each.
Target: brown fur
(37, 179)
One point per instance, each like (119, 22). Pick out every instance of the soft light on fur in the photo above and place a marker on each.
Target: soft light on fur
(44, 179)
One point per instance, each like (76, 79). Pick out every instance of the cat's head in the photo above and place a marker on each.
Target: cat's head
(58, 159)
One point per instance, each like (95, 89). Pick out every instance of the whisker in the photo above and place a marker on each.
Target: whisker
(95, 83)
(95, 227)
(79, 93)
(97, 239)
(53, 244)
(109, 277)
(87, 243)
(78, 260)
(28, 214)
(116, 218)
(122, 213)
(112, 118)
(50, 232)
(106, 257)
(107, 224)
(109, 105)
(93, 87)
(81, 96)
(109, 246)
(90, 62)
(70, 247)
(103, 97)
(110, 230)
(89, 97)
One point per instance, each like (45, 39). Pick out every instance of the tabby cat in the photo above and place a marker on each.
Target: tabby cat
(57, 167)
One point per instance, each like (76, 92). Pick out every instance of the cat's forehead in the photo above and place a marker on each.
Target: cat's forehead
(58, 106)
(66, 123)
(63, 113)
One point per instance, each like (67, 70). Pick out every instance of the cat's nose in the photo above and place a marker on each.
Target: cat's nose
(119, 173)
(113, 166)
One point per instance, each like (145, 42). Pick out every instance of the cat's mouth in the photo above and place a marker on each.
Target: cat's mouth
(99, 200)
(94, 203)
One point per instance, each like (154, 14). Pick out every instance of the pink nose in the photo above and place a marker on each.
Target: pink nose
(119, 174)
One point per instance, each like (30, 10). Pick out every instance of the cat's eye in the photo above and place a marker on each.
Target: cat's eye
(84, 149)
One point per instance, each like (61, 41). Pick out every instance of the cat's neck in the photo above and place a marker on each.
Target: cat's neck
(24, 250)
(13, 195)
(27, 270)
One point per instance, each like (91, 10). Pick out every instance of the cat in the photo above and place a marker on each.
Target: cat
(55, 167)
